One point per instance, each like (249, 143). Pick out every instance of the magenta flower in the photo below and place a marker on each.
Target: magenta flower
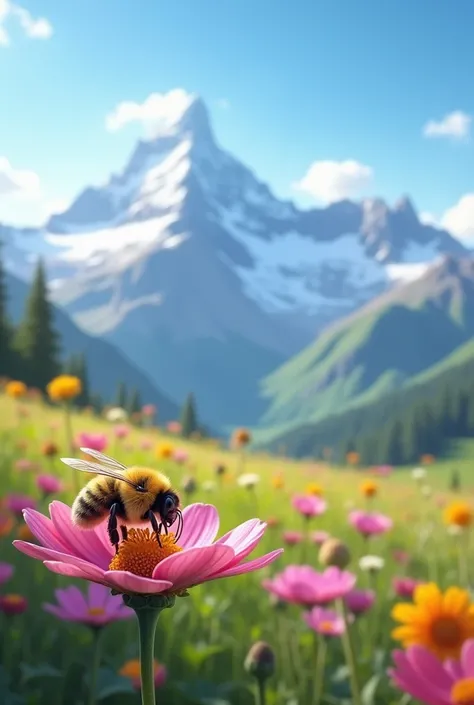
(96, 609)
(303, 585)
(359, 601)
(405, 587)
(49, 484)
(121, 431)
(13, 604)
(325, 622)
(420, 674)
(16, 503)
(94, 441)
(309, 505)
(149, 410)
(292, 538)
(6, 572)
(180, 455)
(141, 566)
(370, 523)
(319, 537)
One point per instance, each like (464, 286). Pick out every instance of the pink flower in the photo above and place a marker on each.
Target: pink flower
(68, 550)
(405, 587)
(146, 444)
(173, 427)
(96, 609)
(180, 455)
(359, 601)
(292, 538)
(149, 410)
(309, 505)
(94, 441)
(49, 484)
(370, 523)
(383, 470)
(325, 622)
(6, 572)
(25, 465)
(420, 674)
(303, 585)
(319, 537)
(16, 503)
(121, 431)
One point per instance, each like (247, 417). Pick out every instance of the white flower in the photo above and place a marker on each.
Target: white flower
(248, 480)
(209, 486)
(116, 414)
(418, 474)
(371, 563)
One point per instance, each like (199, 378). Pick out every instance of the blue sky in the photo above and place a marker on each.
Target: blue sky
(304, 81)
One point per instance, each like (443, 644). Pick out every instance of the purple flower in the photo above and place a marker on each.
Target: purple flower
(49, 484)
(16, 503)
(95, 609)
(94, 441)
(359, 601)
(405, 587)
(6, 572)
(303, 585)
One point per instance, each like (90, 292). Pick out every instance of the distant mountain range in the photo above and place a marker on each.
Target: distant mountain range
(190, 266)
(106, 364)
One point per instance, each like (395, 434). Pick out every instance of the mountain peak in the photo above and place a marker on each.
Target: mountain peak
(404, 206)
(179, 113)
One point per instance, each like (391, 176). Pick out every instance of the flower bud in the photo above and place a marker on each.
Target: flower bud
(260, 661)
(334, 553)
(189, 485)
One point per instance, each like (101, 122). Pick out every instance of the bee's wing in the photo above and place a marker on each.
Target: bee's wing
(104, 459)
(95, 469)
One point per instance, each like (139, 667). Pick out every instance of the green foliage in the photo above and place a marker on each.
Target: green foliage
(36, 340)
(189, 423)
(7, 368)
(121, 396)
(455, 481)
(134, 404)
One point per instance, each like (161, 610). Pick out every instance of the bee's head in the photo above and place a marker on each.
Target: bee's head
(166, 505)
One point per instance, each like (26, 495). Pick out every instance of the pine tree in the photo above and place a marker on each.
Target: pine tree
(121, 396)
(81, 371)
(134, 402)
(189, 423)
(6, 357)
(36, 339)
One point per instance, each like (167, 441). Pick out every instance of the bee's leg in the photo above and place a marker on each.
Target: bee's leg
(124, 531)
(112, 527)
(154, 526)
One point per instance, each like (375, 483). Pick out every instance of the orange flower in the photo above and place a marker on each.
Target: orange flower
(458, 514)
(314, 489)
(278, 482)
(64, 388)
(352, 457)
(6, 524)
(164, 450)
(369, 488)
(241, 437)
(15, 389)
(427, 459)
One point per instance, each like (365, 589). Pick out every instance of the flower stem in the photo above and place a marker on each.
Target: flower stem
(349, 653)
(319, 672)
(261, 698)
(96, 655)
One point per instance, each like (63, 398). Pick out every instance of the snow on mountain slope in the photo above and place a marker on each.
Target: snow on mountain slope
(187, 247)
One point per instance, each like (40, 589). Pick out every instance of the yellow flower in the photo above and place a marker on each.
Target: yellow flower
(441, 622)
(15, 389)
(314, 489)
(164, 450)
(278, 482)
(64, 388)
(369, 488)
(458, 514)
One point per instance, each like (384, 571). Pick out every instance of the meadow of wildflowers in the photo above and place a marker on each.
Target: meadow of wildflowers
(369, 602)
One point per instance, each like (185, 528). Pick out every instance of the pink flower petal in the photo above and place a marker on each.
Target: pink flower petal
(72, 600)
(467, 658)
(200, 525)
(73, 571)
(194, 565)
(84, 544)
(99, 596)
(128, 582)
(43, 554)
(249, 566)
(44, 530)
(428, 667)
(59, 612)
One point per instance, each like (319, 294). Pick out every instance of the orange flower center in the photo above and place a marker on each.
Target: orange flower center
(462, 692)
(326, 626)
(446, 632)
(96, 611)
(13, 599)
(140, 553)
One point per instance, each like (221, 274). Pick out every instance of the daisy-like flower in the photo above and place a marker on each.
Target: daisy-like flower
(96, 609)
(15, 389)
(303, 585)
(458, 514)
(6, 572)
(441, 622)
(115, 415)
(370, 523)
(426, 678)
(141, 565)
(64, 388)
(314, 489)
(325, 622)
(309, 505)
(131, 669)
(94, 441)
(372, 564)
(369, 488)
(248, 480)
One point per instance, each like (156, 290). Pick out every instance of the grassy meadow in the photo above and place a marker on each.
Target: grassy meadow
(204, 639)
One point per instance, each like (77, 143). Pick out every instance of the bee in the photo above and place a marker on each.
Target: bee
(134, 495)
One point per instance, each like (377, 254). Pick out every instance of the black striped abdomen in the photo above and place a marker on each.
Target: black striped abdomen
(93, 503)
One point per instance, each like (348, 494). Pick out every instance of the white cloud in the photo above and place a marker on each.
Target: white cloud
(158, 111)
(428, 218)
(17, 181)
(459, 220)
(330, 181)
(36, 28)
(456, 125)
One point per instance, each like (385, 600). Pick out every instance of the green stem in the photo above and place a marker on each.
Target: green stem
(261, 698)
(349, 654)
(319, 672)
(147, 621)
(96, 656)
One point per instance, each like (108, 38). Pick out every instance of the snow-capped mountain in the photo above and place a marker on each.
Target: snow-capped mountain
(203, 277)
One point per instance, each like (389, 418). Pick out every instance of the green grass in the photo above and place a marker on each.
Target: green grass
(203, 640)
